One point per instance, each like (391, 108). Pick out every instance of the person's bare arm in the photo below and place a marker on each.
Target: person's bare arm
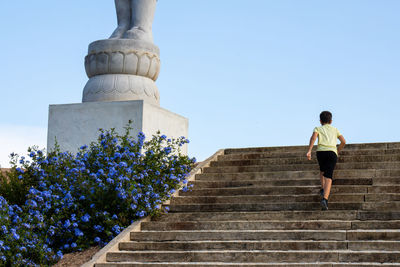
(342, 143)
(312, 141)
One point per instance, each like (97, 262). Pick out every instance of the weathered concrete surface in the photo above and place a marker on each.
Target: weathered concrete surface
(260, 207)
(74, 125)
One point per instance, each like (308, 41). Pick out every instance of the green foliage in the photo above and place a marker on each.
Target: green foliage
(57, 203)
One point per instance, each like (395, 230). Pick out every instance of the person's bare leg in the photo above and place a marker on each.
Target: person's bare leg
(142, 20)
(123, 8)
(327, 187)
(321, 178)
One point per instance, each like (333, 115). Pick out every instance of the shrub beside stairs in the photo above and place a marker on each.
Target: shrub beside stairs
(260, 207)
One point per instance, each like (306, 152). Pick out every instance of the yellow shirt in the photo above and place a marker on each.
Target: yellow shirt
(327, 137)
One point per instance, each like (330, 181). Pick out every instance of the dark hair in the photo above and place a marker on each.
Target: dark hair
(325, 117)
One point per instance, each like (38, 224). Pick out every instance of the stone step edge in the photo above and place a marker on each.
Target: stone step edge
(305, 162)
(385, 145)
(264, 241)
(278, 221)
(310, 164)
(282, 196)
(274, 230)
(299, 155)
(230, 264)
(313, 171)
(267, 251)
(297, 186)
(112, 246)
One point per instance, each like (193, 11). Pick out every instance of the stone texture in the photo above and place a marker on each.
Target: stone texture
(126, 66)
(260, 207)
(121, 70)
(77, 124)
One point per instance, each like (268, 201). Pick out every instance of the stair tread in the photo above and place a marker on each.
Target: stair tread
(260, 207)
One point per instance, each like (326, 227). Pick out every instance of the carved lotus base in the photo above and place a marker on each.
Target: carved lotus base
(120, 87)
(121, 70)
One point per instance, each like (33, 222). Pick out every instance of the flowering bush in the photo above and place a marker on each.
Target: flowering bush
(58, 203)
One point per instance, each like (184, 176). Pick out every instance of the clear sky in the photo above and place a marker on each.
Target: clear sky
(245, 73)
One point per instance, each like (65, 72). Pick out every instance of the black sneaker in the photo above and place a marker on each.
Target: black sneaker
(321, 192)
(324, 204)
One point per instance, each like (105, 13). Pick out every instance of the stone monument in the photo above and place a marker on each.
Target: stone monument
(122, 71)
(126, 66)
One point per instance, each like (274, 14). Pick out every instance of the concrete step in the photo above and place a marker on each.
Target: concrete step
(260, 207)
(275, 181)
(277, 215)
(260, 225)
(382, 197)
(386, 181)
(255, 256)
(281, 182)
(383, 206)
(366, 146)
(285, 190)
(301, 154)
(303, 160)
(384, 189)
(298, 174)
(384, 234)
(370, 225)
(301, 167)
(252, 245)
(268, 206)
(259, 199)
(378, 215)
(262, 245)
(323, 235)
(278, 181)
(245, 264)
(270, 225)
(374, 245)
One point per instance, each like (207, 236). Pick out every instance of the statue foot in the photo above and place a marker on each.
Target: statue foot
(139, 34)
(119, 32)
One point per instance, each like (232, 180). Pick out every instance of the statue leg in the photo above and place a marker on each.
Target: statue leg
(123, 8)
(142, 20)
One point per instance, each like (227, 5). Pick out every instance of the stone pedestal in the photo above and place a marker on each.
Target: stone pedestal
(122, 72)
(122, 69)
(77, 124)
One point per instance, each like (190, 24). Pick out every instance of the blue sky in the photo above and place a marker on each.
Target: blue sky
(245, 73)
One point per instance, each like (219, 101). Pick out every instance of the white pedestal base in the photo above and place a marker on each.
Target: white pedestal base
(74, 125)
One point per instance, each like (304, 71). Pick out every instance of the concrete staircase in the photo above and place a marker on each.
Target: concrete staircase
(260, 207)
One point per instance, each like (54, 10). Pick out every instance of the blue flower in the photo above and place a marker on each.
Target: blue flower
(85, 218)
(116, 229)
(98, 228)
(141, 213)
(15, 235)
(59, 254)
(78, 232)
(67, 224)
(83, 147)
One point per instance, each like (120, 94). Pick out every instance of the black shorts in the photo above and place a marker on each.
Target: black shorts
(327, 162)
